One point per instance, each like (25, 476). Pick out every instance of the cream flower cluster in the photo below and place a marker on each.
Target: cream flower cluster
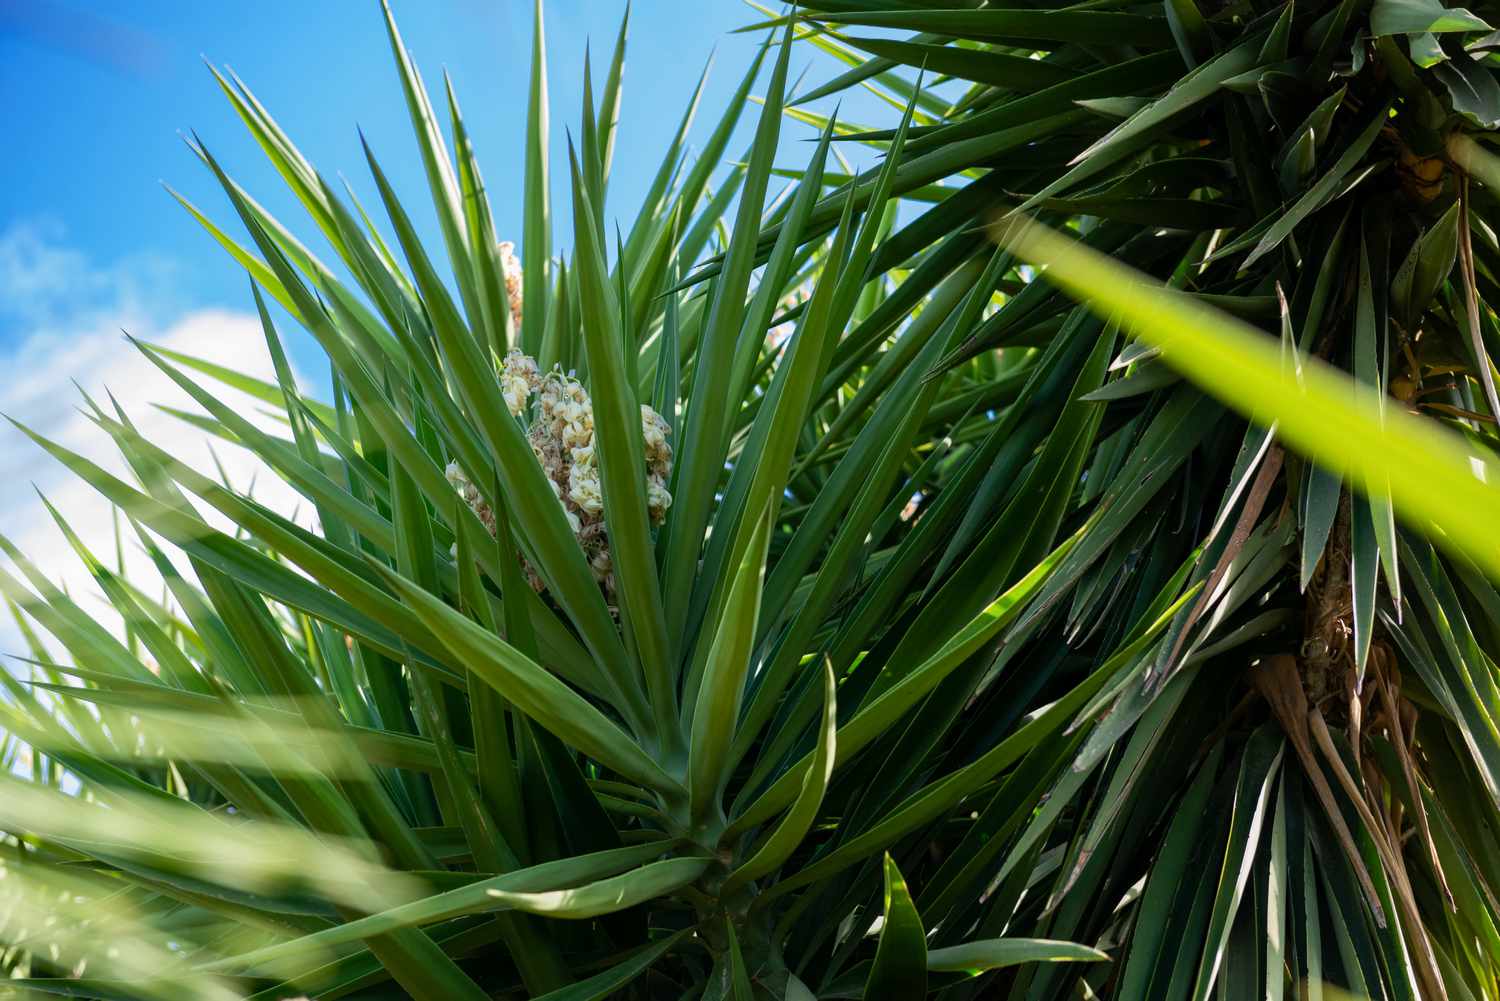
(510, 266)
(518, 378)
(560, 429)
(471, 496)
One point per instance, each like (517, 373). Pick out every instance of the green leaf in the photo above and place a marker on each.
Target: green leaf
(717, 709)
(1473, 90)
(609, 105)
(574, 888)
(1081, 26)
(1409, 17)
(1431, 262)
(1318, 508)
(1278, 923)
(700, 461)
(1164, 884)
(1258, 772)
(974, 958)
(531, 688)
(900, 970)
(1370, 349)
(1426, 50)
(1197, 86)
(620, 453)
(794, 827)
(495, 766)
(479, 226)
(357, 606)
(1364, 573)
(447, 199)
(739, 976)
(1320, 193)
(995, 68)
(881, 713)
(607, 984)
(536, 240)
(1433, 476)
(266, 392)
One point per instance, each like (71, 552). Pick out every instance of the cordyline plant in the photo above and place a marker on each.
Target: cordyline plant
(818, 602)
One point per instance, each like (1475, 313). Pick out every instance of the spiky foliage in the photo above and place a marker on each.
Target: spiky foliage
(974, 652)
(552, 692)
(1296, 782)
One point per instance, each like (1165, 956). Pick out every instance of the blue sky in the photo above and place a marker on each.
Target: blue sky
(97, 96)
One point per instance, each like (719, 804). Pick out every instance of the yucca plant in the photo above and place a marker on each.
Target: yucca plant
(1295, 785)
(801, 596)
(597, 600)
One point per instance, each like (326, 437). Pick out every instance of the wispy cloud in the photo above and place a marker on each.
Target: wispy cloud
(61, 316)
(48, 287)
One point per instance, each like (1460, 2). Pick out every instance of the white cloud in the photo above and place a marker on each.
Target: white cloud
(48, 287)
(61, 317)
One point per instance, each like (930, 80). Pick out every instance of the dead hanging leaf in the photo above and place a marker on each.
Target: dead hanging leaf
(1388, 848)
(1397, 714)
(1280, 683)
(1471, 299)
